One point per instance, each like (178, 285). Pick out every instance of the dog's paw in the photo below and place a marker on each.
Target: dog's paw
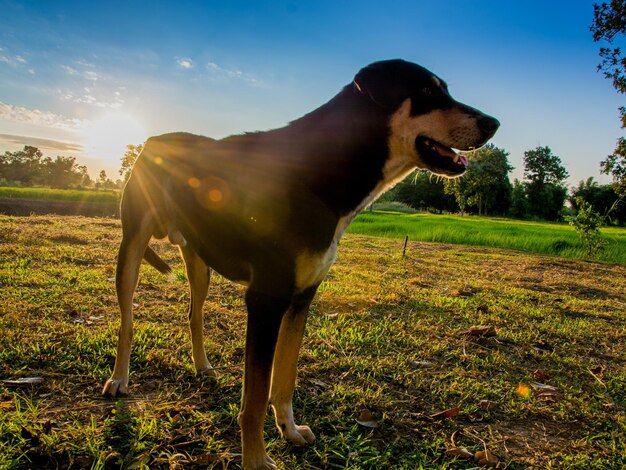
(264, 462)
(299, 435)
(206, 371)
(115, 387)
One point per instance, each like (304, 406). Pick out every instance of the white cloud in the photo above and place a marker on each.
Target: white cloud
(92, 97)
(69, 70)
(96, 88)
(84, 63)
(14, 61)
(91, 75)
(232, 74)
(185, 63)
(46, 144)
(37, 117)
(84, 74)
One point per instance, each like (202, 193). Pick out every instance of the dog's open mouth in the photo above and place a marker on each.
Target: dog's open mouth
(440, 158)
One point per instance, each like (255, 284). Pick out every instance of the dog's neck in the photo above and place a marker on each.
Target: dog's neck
(349, 132)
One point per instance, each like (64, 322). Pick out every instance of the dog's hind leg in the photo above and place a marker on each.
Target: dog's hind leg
(285, 370)
(198, 274)
(134, 242)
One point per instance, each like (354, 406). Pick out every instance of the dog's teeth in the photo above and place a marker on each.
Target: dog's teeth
(456, 158)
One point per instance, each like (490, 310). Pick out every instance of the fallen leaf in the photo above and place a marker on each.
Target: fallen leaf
(486, 457)
(543, 387)
(460, 453)
(540, 374)
(543, 346)
(487, 404)
(449, 413)
(549, 396)
(482, 308)
(420, 364)
(22, 381)
(481, 331)
(366, 419)
(319, 383)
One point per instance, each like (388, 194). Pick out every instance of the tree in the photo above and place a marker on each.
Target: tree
(486, 183)
(102, 178)
(602, 198)
(61, 173)
(423, 192)
(615, 166)
(544, 184)
(587, 223)
(23, 166)
(461, 189)
(609, 25)
(128, 160)
(104, 182)
(519, 202)
(85, 179)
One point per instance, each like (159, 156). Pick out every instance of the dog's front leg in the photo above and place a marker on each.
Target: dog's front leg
(264, 316)
(284, 371)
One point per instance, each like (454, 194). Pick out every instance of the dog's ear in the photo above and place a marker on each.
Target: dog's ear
(383, 82)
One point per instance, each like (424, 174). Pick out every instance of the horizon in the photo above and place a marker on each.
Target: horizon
(86, 80)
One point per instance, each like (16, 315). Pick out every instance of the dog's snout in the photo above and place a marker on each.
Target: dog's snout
(488, 125)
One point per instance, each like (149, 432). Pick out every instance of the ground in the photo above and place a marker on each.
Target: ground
(416, 361)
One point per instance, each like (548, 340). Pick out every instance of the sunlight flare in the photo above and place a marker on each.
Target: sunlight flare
(108, 136)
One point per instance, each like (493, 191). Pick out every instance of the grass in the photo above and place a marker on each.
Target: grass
(388, 335)
(70, 195)
(538, 237)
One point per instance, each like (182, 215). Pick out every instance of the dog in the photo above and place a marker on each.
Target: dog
(267, 210)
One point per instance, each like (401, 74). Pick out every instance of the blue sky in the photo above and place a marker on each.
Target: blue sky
(86, 78)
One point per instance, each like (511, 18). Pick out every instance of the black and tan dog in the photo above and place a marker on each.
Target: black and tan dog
(267, 210)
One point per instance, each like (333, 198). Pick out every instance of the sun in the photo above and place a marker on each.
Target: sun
(107, 137)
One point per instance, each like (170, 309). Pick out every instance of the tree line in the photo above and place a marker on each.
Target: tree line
(486, 189)
(28, 167)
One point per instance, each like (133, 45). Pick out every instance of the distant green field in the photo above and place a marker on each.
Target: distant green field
(551, 238)
(60, 194)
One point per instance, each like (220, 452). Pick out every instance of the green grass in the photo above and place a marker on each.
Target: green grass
(71, 195)
(387, 334)
(549, 238)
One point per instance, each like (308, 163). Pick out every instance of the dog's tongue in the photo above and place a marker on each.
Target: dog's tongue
(448, 152)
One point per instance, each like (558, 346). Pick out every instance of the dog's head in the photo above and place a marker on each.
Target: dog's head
(426, 123)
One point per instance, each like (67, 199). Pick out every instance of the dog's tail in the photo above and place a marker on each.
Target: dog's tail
(155, 261)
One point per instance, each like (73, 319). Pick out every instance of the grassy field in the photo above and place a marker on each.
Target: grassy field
(422, 361)
(60, 194)
(549, 238)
